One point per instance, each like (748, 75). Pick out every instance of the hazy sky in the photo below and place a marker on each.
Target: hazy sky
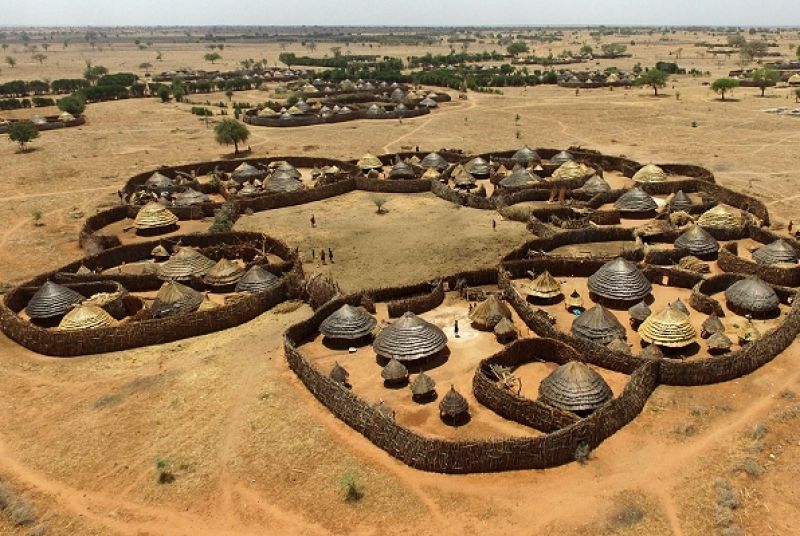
(399, 12)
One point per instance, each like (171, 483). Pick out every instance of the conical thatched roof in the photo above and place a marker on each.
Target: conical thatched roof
(434, 160)
(394, 372)
(640, 311)
(519, 177)
(544, 286)
(401, 170)
(185, 264)
(428, 102)
(422, 385)
(669, 327)
(525, 156)
(573, 170)
(224, 273)
(86, 316)
(409, 338)
(159, 252)
(478, 167)
(348, 323)
(620, 280)
(489, 312)
(52, 300)
(154, 216)
(560, 158)
(369, 161)
(697, 241)
(174, 298)
(574, 300)
(285, 167)
(775, 252)
(718, 217)
(257, 279)
(597, 324)
(680, 201)
(339, 374)
(650, 173)
(652, 351)
(719, 342)
(595, 185)
(619, 345)
(575, 386)
(712, 325)
(283, 182)
(432, 174)
(752, 295)
(159, 182)
(635, 200)
(505, 330)
(680, 306)
(246, 172)
(189, 197)
(462, 178)
(453, 404)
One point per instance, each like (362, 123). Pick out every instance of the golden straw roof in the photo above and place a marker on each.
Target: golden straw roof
(650, 173)
(544, 286)
(432, 174)
(573, 170)
(719, 217)
(154, 216)
(489, 312)
(669, 327)
(185, 264)
(86, 316)
(369, 161)
(224, 273)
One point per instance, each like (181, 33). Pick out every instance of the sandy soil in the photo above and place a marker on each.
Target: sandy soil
(251, 449)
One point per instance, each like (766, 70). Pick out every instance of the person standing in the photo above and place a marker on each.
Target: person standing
(330, 255)
(455, 328)
(313, 220)
(322, 256)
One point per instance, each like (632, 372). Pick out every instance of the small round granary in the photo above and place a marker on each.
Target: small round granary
(453, 405)
(576, 387)
(752, 296)
(174, 298)
(422, 387)
(348, 323)
(409, 338)
(394, 372)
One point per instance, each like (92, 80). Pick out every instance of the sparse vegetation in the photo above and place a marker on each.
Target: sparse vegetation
(653, 78)
(23, 132)
(721, 86)
(165, 474)
(379, 202)
(37, 214)
(352, 490)
(582, 453)
(231, 132)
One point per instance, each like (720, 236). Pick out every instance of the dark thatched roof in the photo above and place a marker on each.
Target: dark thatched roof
(680, 201)
(560, 158)
(185, 264)
(348, 323)
(394, 372)
(620, 280)
(434, 160)
(422, 385)
(680, 306)
(453, 404)
(575, 386)
(281, 182)
(595, 185)
(775, 252)
(478, 167)
(619, 345)
(525, 156)
(635, 200)
(189, 197)
(640, 311)
(598, 324)
(52, 300)
(519, 178)
(224, 273)
(339, 374)
(719, 342)
(402, 170)
(246, 172)
(409, 338)
(752, 295)
(174, 298)
(158, 182)
(257, 279)
(711, 325)
(697, 241)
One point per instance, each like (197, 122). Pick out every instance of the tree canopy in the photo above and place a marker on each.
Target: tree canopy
(94, 72)
(73, 104)
(655, 78)
(722, 85)
(212, 57)
(517, 47)
(23, 132)
(765, 77)
(231, 132)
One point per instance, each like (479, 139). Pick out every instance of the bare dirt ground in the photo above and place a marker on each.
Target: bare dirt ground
(250, 448)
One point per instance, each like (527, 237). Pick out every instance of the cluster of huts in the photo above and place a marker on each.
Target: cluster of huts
(42, 122)
(593, 79)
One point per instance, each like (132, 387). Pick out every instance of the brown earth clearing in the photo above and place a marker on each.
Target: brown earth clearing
(83, 441)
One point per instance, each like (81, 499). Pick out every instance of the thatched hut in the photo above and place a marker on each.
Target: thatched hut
(348, 323)
(246, 172)
(225, 273)
(429, 103)
(680, 306)
(369, 161)
(752, 296)
(189, 197)
(635, 201)
(339, 374)
(775, 252)
(575, 387)
(544, 287)
(574, 302)
(561, 158)
(719, 343)
(619, 280)
(573, 170)
(526, 156)
(159, 252)
(257, 279)
(462, 179)
(155, 217)
(519, 178)
(159, 183)
(282, 182)
(478, 168)
(423, 387)
(598, 324)
(639, 313)
(394, 373)
(680, 201)
(650, 173)
(402, 171)
(51, 301)
(174, 298)
(505, 331)
(595, 185)
(711, 325)
(185, 264)
(698, 242)
(669, 327)
(86, 316)
(410, 338)
(453, 405)
(434, 160)
(719, 217)
(488, 313)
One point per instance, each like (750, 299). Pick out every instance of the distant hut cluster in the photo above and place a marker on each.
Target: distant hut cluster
(159, 195)
(595, 78)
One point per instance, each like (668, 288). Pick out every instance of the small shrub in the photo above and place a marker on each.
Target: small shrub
(627, 516)
(352, 491)
(694, 124)
(165, 476)
(748, 466)
(725, 495)
(379, 201)
(23, 133)
(37, 214)
(759, 430)
(582, 453)
(224, 218)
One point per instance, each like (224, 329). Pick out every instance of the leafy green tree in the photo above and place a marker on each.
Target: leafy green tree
(146, 66)
(613, 49)
(231, 132)
(723, 85)
(11, 61)
(23, 133)
(586, 50)
(517, 47)
(654, 78)
(287, 58)
(163, 93)
(212, 57)
(765, 77)
(73, 104)
(39, 57)
(94, 72)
